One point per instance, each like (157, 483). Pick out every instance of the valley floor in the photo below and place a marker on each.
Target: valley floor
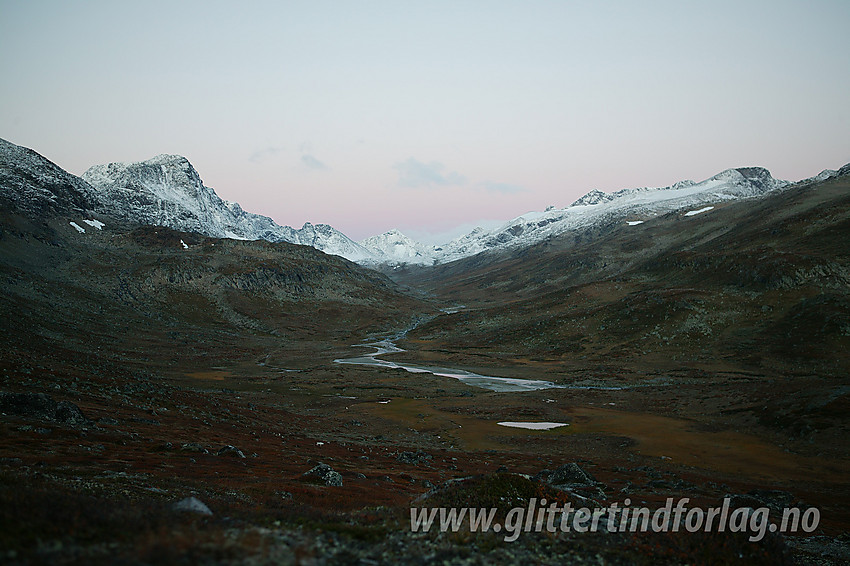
(103, 490)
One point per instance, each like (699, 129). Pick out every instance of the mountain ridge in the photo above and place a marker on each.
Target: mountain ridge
(166, 190)
(631, 206)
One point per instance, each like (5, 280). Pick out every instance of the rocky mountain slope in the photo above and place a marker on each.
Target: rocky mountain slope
(68, 263)
(393, 247)
(594, 210)
(761, 284)
(597, 208)
(167, 191)
(36, 186)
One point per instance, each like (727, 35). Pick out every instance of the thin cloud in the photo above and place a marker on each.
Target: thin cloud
(262, 154)
(313, 163)
(504, 188)
(415, 174)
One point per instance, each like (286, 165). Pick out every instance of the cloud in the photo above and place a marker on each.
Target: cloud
(313, 163)
(415, 174)
(262, 154)
(504, 188)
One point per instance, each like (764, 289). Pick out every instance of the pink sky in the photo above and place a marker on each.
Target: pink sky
(425, 117)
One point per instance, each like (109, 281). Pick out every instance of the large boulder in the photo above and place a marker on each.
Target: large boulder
(323, 473)
(41, 406)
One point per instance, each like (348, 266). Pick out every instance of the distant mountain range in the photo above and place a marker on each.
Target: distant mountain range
(628, 206)
(167, 191)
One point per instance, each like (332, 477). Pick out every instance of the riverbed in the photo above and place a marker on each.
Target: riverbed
(499, 384)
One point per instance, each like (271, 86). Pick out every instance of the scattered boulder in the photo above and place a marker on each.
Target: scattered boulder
(567, 476)
(34, 405)
(229, 450)
(413, 458)
(69, 413)
(193, 447)
(41, 406)
(192, 505)
(324, 474)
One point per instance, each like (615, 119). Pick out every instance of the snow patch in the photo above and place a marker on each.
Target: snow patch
(700, 211)
(79, 228)
(634, 222)
(533, 426)
(95, 224)
(185, 245)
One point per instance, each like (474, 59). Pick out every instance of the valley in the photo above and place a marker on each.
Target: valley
(701, 356)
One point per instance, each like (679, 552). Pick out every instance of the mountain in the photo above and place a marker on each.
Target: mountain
(167, 191)
(31, 183)
(72, 271)
(763, 283)
(393, 247)
(597, 208)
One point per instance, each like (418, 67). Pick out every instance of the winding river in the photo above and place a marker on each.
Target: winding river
(500, 384)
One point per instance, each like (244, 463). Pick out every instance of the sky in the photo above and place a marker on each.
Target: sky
(430, 117)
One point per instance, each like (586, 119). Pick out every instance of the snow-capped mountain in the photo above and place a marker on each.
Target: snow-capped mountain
(167, 191)
(330, 240)
(32, 183)
(627, 206)
(394, 247)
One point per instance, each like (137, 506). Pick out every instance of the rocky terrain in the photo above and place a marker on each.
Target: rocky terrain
(172, 397)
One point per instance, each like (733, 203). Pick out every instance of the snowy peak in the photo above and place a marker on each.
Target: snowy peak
(626, 206)
(395, 248)
(749, 181)
(32, 183)
(166, 190)
(330, 240)
(740, 182)
(593, 197)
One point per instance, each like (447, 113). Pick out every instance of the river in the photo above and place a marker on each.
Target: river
(500, 384)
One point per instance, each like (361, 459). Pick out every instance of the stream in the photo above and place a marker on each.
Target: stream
(500, 384)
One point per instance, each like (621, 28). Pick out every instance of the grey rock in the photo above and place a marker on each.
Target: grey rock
(568, 475)
(413, 458)
(41, 406)
(325, 474)
(69, 413)
(192, 505)
(193, 447)
(34, 405)
(229, 450)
